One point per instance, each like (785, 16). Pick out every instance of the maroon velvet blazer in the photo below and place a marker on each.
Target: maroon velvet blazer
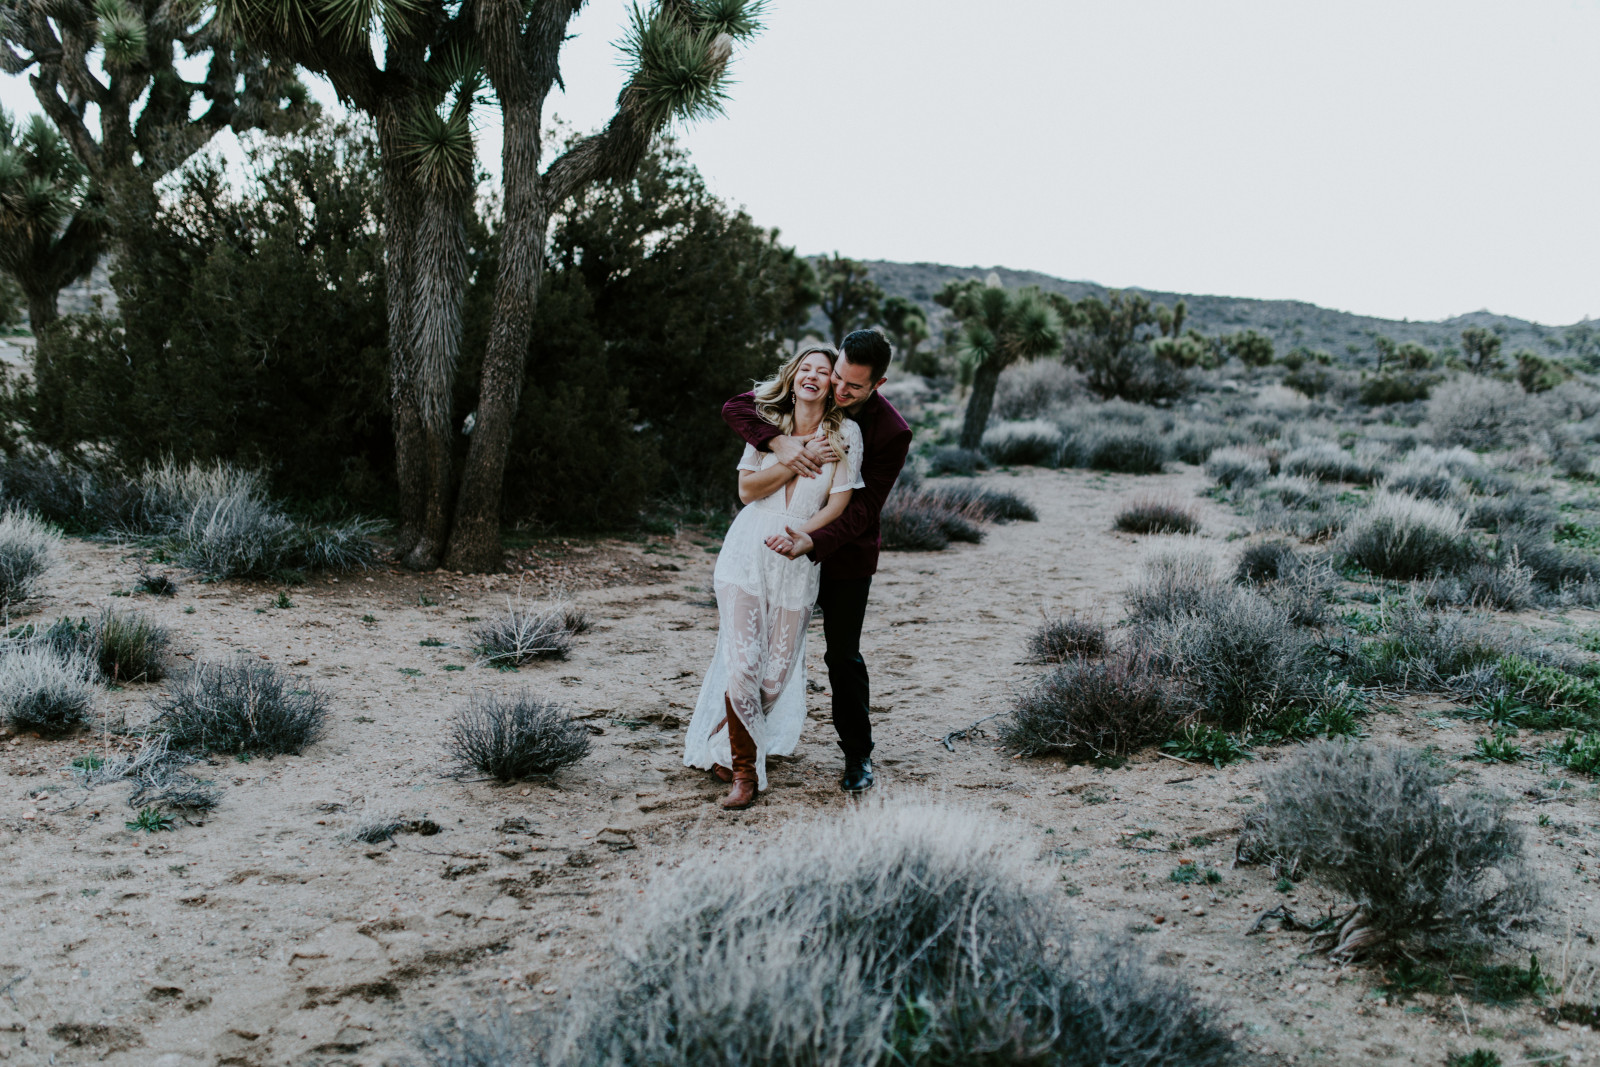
(848, 546)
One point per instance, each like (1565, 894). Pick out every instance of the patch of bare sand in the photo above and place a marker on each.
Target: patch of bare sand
(265, 936)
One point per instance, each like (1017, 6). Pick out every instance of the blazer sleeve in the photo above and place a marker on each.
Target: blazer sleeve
(740, 415)
(878, 471)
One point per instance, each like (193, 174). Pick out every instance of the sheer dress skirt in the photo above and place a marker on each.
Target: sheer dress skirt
(764, 603)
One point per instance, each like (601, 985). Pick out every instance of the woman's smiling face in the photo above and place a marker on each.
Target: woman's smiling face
(812, 377)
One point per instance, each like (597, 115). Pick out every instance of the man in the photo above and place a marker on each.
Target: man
(848, 547)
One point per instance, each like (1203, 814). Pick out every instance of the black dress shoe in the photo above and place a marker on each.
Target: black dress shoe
(857, 775)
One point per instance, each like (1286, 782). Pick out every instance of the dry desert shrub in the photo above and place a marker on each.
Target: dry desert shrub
(224, 525)
(1172, 585)
(1029, 390)
(1266, 561)
(525, 632)
(159, 775)
(1501, 585)
(1401, 536)
(1482, 413)
(1034, 443)
(1091, 708)
(905, 933)
(1434, 474)
(244, 707)
(984, 503)
(917, 520)
(1129, 451)
(1196, 442)
(1327, 462)
(1242, 659)
(514, 736)
(28, 548)
(1158, 515)
(1425, 871)
(1431, 650)
(1237, 467)
(1063, 637)
(46, 689)
(950, 459)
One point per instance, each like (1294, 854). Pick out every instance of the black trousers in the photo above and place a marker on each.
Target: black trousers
(844, 607)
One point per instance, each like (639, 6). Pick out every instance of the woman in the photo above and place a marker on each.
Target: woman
(753, 701)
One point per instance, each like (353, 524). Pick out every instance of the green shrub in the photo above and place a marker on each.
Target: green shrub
(1395, 389)
(1578, 751)
(1543, 686)
(1207, 743)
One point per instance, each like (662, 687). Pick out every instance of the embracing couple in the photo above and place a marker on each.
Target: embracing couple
(823, 449)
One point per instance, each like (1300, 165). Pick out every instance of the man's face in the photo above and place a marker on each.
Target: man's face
(852, 383)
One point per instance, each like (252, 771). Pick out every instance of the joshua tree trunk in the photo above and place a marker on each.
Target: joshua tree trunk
(475, 541)
(41, 309)
(980, 403)
(425, 260)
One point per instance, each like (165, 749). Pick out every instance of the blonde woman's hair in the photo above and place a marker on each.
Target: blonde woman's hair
(775, 398)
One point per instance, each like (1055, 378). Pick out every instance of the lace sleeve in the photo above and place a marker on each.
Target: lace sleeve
(751, 460)
(847, 472)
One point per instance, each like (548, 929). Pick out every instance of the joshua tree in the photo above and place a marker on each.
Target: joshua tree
(802, 292)
(121, 57)
(678, 53)
(50, 224)
(997, 329)
(1481, 348)
(907, 327)
(850, 298)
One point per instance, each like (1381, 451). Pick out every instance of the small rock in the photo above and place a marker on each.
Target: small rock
(1159, 919)
(29, 815)
(1563, 1025)
(1199, 911)
(1302, 989)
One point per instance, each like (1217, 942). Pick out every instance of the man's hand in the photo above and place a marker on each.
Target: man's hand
(793, 546)
(795, 453)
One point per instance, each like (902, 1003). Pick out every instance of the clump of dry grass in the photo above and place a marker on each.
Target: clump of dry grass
(1062, 637)
(130, 646)
(527, 632)
(1425, 871)
(46, 689)
(1237, 467)
(1087, 709)
(1172, 585)
(1401, 536)
(1327, 462)
(28, 548)
(1035, 442)
(900, 933)
(515, 736)
(1158, 515)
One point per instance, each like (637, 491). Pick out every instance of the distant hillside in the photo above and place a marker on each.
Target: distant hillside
(1287, 322)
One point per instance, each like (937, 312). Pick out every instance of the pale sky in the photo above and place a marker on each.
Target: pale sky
(1404, 159)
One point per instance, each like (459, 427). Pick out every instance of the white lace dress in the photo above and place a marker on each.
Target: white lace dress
(765, 602)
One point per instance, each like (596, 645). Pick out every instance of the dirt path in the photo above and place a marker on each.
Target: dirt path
(265, 936)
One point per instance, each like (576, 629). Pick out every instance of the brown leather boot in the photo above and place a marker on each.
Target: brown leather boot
(722, 773)
(743, 746)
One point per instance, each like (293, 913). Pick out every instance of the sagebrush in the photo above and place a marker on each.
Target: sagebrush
(904, 933)
(515, 736)
(1425, 870)
(244, 707)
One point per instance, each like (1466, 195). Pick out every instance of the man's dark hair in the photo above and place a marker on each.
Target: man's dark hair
(868, 348)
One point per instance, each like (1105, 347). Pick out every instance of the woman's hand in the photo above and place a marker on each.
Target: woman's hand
(780, 544)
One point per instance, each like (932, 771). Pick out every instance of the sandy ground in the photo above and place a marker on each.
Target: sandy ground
(266, 936)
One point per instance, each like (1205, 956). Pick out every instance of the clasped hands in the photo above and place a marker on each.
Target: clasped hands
(805, 456)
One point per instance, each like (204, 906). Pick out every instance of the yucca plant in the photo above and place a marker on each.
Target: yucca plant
(50, 223)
